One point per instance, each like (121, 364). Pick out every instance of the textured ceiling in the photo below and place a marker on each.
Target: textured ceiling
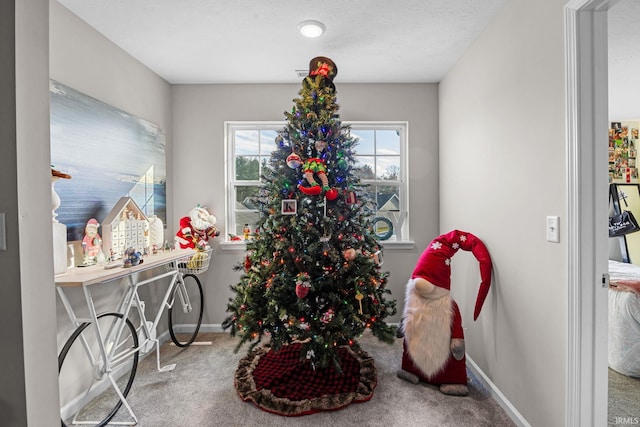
(256, 41)
(372, 41)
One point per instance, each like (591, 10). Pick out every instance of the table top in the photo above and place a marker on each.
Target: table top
(82, 276)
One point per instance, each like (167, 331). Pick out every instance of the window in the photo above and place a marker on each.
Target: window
(381, 155)
(249, 147)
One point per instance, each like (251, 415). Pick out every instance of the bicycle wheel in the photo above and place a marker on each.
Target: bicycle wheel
(86, 393)
(185, 312)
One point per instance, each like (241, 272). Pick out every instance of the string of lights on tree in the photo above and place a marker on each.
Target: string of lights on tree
(312, 273)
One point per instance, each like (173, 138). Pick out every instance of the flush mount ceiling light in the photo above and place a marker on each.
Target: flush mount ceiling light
(311, 29)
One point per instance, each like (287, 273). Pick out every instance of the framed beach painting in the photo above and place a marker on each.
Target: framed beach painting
(109, 154)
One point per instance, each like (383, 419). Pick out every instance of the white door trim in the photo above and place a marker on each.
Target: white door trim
(586, 65)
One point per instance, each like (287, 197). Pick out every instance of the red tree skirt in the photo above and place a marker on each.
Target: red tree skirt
(280, 383)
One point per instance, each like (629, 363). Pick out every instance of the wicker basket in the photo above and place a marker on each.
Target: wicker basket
(194, 264)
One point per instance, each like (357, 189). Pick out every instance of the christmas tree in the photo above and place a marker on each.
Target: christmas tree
(312, 273)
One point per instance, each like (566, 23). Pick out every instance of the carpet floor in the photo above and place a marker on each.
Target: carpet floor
(624, 400)
(200, 392)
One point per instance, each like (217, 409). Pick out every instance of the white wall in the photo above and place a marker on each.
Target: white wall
(83, 59)
(193, 117)
(199, 115)
(500, 163)
(28, 394)
(502, 171)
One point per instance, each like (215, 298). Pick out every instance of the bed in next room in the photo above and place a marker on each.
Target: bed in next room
(624, 318)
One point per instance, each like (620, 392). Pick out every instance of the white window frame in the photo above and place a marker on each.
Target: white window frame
(230, 127)
(401, 238)
(400, 221)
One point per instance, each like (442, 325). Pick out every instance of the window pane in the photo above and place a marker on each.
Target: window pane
(246, 142)
(264, 161)
(388, 142)
(386, 205)
(267, 141)
(388, 199)
(366, 166)
(249, 218)
(243, 195)
(365, 141)
(388, 168)
(247, 168)
(245, 211)
(378, 155)
(371, 205)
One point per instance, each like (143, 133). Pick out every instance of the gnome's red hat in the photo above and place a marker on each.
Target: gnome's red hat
(434, 265)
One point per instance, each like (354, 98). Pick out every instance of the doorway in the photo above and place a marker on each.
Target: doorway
(624, 87)
(587, 117)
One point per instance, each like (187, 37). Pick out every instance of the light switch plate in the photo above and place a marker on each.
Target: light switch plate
(553, 229)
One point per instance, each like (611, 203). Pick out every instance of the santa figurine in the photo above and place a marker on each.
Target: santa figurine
(196, 229)
(92, 243)
(434, 349)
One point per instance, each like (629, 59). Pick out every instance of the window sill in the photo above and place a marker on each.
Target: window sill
(392, 246)
(398, 245)
(238, 245)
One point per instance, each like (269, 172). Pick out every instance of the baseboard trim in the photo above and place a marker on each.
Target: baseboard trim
(497, 394)
(212, 327)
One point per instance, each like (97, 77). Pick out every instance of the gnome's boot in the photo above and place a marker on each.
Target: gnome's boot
(454, 389)
(457, 351)
(407, 376)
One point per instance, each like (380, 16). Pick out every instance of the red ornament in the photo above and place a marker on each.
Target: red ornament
(303, 284)
(351, 197)
(331, 194)
(302, 289)
(247, 263)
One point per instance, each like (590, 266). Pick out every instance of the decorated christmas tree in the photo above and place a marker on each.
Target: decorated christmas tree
(312, 274)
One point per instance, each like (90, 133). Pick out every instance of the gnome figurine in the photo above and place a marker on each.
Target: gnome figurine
(434, 350)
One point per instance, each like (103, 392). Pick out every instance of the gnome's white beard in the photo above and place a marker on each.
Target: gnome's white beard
(427, 330)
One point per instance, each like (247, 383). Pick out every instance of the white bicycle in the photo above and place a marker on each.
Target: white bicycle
(100, 358)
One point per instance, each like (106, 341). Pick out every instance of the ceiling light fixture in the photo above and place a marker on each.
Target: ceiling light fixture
(311, 29)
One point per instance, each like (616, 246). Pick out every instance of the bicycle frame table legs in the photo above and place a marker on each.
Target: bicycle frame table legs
(108, 354)
(149, 331)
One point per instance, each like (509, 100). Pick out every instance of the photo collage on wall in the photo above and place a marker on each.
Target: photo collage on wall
(623, 143)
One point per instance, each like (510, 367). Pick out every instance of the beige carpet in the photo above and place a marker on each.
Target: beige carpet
(624, 399)
(200, 392)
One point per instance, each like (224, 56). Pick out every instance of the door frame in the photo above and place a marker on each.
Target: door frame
(586, 77)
